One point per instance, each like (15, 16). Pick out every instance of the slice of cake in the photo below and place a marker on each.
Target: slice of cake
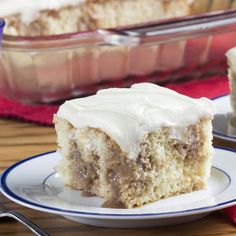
(135, 145)
(49, 17)
(231, 57)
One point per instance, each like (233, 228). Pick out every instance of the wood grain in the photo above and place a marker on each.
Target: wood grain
(19, 140)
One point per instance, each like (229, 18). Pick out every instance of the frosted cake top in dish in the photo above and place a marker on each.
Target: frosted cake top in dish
(127, 114)
(28, 9)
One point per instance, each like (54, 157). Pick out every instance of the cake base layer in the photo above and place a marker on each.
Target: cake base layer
(231, 55)
(232, 84)
(169, 163)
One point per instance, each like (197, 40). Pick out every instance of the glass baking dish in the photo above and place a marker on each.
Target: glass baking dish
(53, 68)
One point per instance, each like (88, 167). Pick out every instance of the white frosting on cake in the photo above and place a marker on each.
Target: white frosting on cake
(127, 114)
(28, 9)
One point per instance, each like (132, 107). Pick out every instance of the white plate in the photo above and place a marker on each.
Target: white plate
(222, 122)
(34, 183)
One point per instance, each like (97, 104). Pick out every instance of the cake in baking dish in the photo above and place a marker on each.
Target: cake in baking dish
(203, 6)
(49, 17)
(135, 145)
(231, 57)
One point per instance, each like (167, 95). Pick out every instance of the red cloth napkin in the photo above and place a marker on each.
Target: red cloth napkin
(43, 114)
(211, 87)
(231, 213)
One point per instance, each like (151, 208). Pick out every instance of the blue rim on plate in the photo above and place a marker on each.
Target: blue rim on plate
(217, 97)
(8, 192)
(2, 24)
(218, 134)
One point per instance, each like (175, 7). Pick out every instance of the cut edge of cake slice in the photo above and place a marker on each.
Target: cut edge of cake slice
(231, 58)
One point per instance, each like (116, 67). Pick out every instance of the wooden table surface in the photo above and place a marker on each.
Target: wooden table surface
(19, 140)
